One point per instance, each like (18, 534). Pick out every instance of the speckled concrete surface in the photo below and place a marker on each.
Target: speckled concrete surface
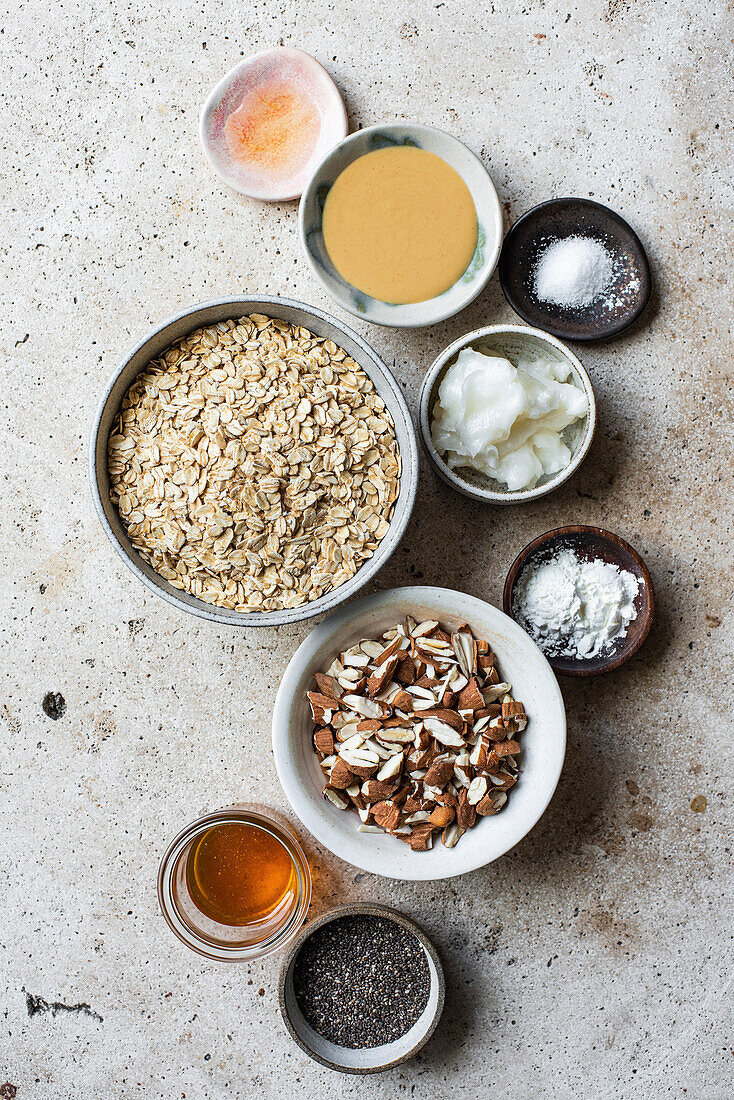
(592, 960)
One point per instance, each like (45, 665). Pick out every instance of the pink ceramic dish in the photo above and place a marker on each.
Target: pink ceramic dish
(269, 121)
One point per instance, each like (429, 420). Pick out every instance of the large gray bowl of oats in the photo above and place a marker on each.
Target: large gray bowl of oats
(253, 461)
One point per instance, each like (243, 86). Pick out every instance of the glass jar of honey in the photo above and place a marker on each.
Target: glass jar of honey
(235, 885)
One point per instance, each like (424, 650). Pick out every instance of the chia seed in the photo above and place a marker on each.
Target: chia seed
(361, 981)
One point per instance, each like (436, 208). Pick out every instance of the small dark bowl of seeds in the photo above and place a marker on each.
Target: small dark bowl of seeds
(361, 989)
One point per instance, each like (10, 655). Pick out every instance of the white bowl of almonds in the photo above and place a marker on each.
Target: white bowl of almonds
(253, 461)
(419, 733)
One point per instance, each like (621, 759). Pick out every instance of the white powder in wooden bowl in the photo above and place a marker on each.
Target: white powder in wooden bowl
(575, 608)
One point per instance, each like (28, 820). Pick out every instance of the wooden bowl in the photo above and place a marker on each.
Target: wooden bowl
(560, 218)
(590, 543)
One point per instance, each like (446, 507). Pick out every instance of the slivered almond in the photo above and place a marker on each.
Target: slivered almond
(465, 649)
(337, 798)
(391, 767)
(506, 748)
(323, 739)
(470, 697)
(442, 816)
(444, 733)
(450, 717)
(386, 814)
(451, 835)
(423, 726)
(477, 790)
(378, 679)
(496, 692)
(426, 627)
(340, 775)
(369, 725)
(388, 651)
(368, 708)
(421, 837)
(439, 773)
(375, 790)
(466, 814)
(355, 658)
(325, 684)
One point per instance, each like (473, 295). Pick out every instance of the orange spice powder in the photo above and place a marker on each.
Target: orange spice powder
(275, 129)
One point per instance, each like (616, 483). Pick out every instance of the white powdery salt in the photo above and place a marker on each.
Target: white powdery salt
(575, 608)
(573, 272)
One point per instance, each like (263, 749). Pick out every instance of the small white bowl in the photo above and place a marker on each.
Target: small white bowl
(304, 72)
(489, 216)
(510, 341)
(521, 663)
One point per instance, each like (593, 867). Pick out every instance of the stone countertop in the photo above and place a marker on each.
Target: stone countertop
(591, 960)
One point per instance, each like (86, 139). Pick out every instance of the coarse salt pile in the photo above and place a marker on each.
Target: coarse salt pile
(574, 272)
(575, 608)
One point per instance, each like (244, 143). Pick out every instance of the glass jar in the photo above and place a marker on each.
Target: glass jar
(224, 942)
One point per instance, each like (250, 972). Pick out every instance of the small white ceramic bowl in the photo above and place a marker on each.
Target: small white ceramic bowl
(510, 341)
(489, 215)
(304, 73)
(521, 663)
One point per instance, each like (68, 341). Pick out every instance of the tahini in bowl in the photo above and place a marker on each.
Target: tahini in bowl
(175, 328)
(589, 543)
(523, 665)
(510, 341)
(489, 217)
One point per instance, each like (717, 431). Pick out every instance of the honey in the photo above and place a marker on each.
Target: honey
(240, 874)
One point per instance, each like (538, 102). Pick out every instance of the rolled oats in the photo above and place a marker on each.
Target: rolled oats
(254, 465)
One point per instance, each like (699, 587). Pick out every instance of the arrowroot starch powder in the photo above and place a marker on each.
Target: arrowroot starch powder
(575, 608)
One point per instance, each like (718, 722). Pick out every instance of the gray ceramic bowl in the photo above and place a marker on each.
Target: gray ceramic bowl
(510, 341)
(371, 1059)
(489, 215)
(209, 313)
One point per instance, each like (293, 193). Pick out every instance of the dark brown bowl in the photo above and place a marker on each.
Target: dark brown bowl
(560, 218)
(590, 543)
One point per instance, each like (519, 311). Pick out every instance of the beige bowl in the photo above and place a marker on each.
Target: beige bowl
(510, 341)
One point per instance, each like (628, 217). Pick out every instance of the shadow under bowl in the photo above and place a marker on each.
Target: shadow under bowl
(589, 544)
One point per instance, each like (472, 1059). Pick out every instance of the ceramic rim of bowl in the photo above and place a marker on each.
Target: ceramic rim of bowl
(489, 496)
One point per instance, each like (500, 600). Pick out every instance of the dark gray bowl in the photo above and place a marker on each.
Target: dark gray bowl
(561, 218)
(208, 313)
